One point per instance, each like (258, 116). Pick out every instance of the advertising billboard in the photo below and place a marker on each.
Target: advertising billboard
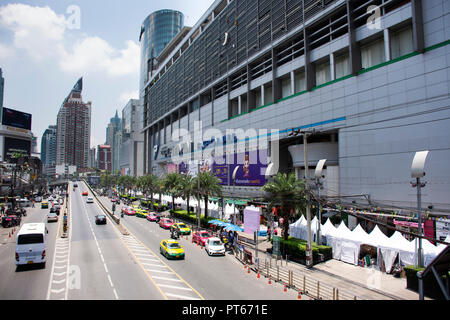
(12, 146)
(16, 119)
(252, 166)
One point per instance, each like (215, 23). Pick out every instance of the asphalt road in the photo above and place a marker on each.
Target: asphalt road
(98, 262)
(26, 282)
(213, 277)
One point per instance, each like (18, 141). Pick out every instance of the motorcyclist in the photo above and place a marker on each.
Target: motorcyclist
(175, 233)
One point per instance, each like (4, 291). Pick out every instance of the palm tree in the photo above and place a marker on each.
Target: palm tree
(186, 188)
(208, 186)
(171, 185)
(288, 192)
(149, 183)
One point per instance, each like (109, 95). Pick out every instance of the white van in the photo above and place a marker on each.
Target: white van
(31, 244)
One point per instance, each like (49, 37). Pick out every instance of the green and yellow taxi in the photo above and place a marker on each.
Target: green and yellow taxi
(44, 204)
(184, 229)
(141, 213)
(171, 249)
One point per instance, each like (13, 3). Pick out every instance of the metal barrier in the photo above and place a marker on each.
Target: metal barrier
(298, 280)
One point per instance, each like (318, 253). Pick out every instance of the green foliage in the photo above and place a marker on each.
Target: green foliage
(191, 217)
(296, 248)
(288, 192)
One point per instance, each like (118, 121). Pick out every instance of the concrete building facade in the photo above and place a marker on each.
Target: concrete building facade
(368, 80)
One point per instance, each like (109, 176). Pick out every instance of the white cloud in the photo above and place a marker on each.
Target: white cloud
(37, 30)
(126, 96)
(95, 54)
(42, 33)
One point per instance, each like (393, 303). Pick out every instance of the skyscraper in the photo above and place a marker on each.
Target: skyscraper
(48, 146)
(157, 30)
(113, 139)
(104, 157)
(74, 130)
(2, 84)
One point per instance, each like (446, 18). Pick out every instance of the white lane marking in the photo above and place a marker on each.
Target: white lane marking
(159, 271)
(174, 287)
(59, 281)
(58, 291)
(181, 297)
(168, 279)
(153, 265)
(110, 281)
(115, 294)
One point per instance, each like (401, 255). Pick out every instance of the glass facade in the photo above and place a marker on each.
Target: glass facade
(158, 29)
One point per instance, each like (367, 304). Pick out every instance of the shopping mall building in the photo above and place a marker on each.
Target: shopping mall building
(367, 81)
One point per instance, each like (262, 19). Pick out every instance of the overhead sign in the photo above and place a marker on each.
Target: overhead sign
(17, 119)
(252, 219)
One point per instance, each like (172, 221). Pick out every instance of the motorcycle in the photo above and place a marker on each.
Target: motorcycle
(174, 235)
(121, 215)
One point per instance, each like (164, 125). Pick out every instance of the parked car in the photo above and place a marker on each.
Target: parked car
(130, 211)
(151, 217)
(44, 205)
(200, 237)
(214, 246)
(52, 217)
(171, 249)
(90, 200)
(165, 223)
(100, 219)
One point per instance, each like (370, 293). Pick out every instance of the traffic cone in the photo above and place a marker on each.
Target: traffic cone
(248, 269)
(10, 234)
(285, 288)
(299, 297)
(270, 280)
(258, 276)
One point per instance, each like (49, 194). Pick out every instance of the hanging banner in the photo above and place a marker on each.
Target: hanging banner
(252, 219)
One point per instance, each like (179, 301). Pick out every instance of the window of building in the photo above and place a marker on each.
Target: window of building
(299, 81)
(323, 73)
(372, 53)
(234, 107)
(244, 103)
(285, 86)
(342, 65)
(268, 93)
(401, 42)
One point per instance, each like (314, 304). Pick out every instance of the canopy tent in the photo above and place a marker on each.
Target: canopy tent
(346, 244)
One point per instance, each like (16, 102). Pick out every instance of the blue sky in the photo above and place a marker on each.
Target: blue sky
(43, 52)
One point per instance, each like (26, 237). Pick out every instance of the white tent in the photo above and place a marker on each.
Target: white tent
(405, 248)
(350, 244)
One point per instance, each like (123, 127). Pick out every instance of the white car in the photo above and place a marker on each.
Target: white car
(214, 246)
(90, 200)
(52, 217)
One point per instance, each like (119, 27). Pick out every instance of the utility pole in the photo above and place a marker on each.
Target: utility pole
(417, 172)
(309, 257)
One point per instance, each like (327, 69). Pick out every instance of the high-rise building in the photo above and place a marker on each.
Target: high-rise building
(113, 139)
(74, 130)
(92, 159)
(131, 148)
(104, 157)
(157, 30)
(368, 83)
(48, 147)
(2, 84)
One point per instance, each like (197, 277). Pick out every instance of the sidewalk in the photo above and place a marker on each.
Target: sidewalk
(365, 283)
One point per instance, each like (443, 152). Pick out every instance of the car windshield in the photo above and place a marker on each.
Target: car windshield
(173, 245)
(216, 243)
(168, 221)
(100, 216)
(205, 234)
(182, 225)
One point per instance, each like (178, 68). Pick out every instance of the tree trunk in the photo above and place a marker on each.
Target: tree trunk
(206, 206)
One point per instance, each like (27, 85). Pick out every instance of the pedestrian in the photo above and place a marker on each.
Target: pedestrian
(32, 203)
(268, 233)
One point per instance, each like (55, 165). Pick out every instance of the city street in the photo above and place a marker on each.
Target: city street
(106, 265)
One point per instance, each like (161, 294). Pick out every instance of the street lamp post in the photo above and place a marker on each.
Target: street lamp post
(417, 172)
(309, 257)
(318, 175)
